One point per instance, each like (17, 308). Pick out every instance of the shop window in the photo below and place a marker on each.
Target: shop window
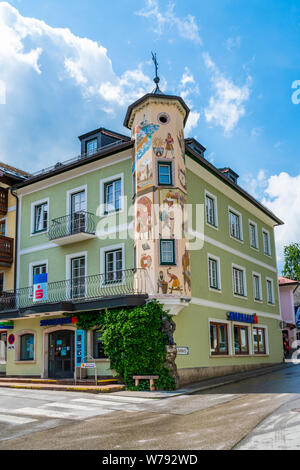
(3, 347)
(241, 342)
(218, 338)
(98, 345)
(259, 340)
(27, 347)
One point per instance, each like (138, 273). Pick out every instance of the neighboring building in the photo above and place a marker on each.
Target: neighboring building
(297, 310)
(8, 207)
(74, 226)
(287, 288)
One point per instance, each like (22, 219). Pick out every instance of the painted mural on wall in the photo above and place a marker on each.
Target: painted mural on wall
(144, 218)
(144, 174)
(143, 140)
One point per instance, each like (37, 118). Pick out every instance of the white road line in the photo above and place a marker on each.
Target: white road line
(108, 404)
(126, 398)
(46, 413)
(67, 405)
(16, 420)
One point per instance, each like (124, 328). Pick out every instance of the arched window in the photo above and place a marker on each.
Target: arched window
(27, 347)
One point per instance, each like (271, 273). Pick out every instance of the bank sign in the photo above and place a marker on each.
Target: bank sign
(242, 317)
(40, 287)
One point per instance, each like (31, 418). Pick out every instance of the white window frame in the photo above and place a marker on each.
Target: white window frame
(229, 331)
(217, 260)
(260, 287)
(32, 223)
(243, 269)
(103, 251)
(68, 270)
(251, 222)
(215, 201)
(264, 231)
(269, 279)
(103, 182)
(239, 215)
(69, 195)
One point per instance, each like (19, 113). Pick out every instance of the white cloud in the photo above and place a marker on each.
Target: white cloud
(82, 60)
(186, 88)
(187, 27)
(192, 122)
(226, 106)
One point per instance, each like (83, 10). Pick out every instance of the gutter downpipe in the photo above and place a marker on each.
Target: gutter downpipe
(16, 237)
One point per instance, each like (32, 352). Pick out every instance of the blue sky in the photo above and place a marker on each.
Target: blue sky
(69, 67)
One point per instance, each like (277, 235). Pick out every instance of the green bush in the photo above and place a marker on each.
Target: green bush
(134, 342)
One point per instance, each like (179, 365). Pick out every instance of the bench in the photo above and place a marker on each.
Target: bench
(151, 378)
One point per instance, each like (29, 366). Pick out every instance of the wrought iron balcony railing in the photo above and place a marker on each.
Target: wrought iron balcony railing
(6, 250)
(73, 224)
(84, 289)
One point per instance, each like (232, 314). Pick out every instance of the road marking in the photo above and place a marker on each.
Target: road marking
(67, 405)
(17, 420)
(46, 413)
(108, 404)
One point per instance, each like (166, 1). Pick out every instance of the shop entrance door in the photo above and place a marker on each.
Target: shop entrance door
(61, 354)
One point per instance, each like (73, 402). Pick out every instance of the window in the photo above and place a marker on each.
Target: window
(1, 283)
(40, 217)
(112, 196)
(167, 252)
(257, 287)
(98, 345)
(218, 338)
(253, 235)
(3, 347)
(78, 277)
(259, 340)
(266, 243)
(211, 210)
(235, 225)
(3, 228)
(41, 269)
(113, 266)
(241, 343)
(165, 174)
(91, 146)
(27, 347)
(270, 291)
(238, 282)
(213, 269)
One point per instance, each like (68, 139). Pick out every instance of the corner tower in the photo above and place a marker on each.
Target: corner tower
(157, 124)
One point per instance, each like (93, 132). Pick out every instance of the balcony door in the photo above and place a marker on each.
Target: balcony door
(78, 278)
(78, 212)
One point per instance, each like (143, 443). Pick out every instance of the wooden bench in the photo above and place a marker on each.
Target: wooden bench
(151, 378)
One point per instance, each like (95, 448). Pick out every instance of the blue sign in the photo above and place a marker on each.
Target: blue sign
(40, 287)
(242, 317)
(80, 347)
(58, 321)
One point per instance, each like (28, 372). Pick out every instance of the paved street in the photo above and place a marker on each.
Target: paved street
(261, 412)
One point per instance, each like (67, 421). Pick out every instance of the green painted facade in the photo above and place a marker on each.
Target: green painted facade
(192, 322)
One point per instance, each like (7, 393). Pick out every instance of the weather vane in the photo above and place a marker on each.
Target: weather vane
(156, 78)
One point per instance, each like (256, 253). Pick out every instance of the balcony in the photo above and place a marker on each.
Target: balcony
(3, 201)
(6, 251)
(73, 228)
(124, 288)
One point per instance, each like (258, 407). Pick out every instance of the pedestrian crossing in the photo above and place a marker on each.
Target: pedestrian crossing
(75, 409)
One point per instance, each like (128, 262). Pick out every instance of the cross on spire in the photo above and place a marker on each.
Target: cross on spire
(156, 78)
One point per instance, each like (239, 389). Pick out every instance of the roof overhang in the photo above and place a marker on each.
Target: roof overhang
(155, 98)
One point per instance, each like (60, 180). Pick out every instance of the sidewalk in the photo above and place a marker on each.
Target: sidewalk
(209, 383)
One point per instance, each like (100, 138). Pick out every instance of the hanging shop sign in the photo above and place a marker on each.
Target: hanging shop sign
(88, 365)
(242, 317)
(40, 287)
(183, 351)
(8, 325)
(58, 321)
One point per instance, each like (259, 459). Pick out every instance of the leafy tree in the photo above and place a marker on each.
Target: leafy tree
(291, 268)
